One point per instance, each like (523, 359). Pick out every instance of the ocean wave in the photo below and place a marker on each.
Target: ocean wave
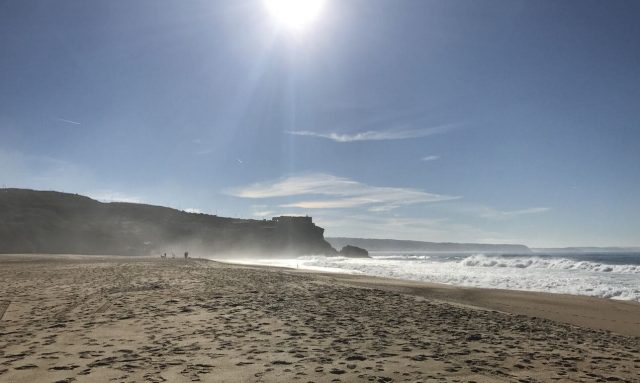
(404, 257)
(534, 262)
(555, 275)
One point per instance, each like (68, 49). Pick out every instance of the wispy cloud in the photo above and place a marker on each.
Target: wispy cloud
(330, 204)
(424, 229)
(531, 210)
(492, 213)
(429, 158)
(68, 121)
(375, 135)
(344, 193)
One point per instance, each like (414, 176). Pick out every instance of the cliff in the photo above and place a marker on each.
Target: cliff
(402, 245)
(61, 223)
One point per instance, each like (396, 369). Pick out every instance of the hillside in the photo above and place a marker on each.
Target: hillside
(403, 245)
(591, 249)
(53, 222)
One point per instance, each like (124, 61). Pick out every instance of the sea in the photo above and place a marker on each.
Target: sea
(614, 275)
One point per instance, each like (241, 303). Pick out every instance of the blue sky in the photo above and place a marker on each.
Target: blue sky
(477, 121)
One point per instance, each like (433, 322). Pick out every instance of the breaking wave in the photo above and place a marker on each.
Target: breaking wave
(481, 260)
(605, 276)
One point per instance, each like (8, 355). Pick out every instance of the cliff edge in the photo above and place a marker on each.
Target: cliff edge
(62, 223)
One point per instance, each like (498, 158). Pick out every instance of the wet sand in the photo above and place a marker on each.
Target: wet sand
(95, 319)
(622, 317)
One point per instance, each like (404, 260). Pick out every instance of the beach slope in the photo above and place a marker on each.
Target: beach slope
(95, 319)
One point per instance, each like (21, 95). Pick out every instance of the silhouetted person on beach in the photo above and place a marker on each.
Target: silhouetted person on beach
(186, 254)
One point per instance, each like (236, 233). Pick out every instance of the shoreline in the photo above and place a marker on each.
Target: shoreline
(99, 318)
(616, 279)
(619, 316)
(614, 315)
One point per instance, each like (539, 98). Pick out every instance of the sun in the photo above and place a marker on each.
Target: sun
(295, 15)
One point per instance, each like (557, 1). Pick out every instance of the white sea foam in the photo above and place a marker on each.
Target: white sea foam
(530, 273)
(534, 262)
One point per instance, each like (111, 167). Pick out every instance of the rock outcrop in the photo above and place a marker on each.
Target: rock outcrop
(354, 252)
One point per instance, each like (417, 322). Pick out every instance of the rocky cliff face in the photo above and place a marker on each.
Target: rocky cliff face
(52, 222)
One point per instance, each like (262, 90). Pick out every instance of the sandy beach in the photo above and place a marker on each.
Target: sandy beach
(99, 319)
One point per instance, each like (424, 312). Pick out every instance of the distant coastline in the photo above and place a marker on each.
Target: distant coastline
(64, 223)
(591, 249)
(374, 244)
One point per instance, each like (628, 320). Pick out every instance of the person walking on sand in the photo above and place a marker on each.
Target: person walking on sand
(186, 254)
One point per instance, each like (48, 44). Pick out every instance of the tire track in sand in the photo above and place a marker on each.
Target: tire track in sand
(4, 305)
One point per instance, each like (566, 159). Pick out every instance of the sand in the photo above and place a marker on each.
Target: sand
(100, 319)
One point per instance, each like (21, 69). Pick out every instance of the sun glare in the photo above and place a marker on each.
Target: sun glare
(295, 15)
